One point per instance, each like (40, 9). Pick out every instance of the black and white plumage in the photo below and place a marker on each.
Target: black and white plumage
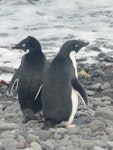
(61, 86)
(30, 77)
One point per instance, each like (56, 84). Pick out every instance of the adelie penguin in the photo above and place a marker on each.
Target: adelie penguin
(30, 77)
(61, 87)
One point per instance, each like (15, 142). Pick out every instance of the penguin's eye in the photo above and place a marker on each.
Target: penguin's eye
(76, 45)
(23, 45)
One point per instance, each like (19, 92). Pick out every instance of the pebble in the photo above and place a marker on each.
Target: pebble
(106, 113)
(21, 144)
(95, 86)
(111, 136)
(32, 138)
(99, 148)
(73, 130)
(36, 146)
(97, 73)
(61, 131)
(44, 135)
(8, 126)
(105, 86)
(86, 144)
(97, 125)
(94, 129)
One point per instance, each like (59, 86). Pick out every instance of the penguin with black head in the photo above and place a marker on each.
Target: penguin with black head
(61, 87)
(30, 77)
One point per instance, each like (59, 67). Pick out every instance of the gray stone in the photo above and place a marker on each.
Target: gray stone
(86, 144)
(9, 146)
(111, 136)
(21, 144)
(61, 131)
(72, 130)
(97, 73)
(95, 86)
(106, 113)
(105, 86)
(28, 149)
(49, 144)
(107, 103)
(96, 125)
(1, 146)
(98, 148)
(8, 126)
(36, 146)
(7, 135)
(110, 144)
(100, 143)
(90, 93)
(44, 134)
(32, 138)
(106, 98)
(57, 136)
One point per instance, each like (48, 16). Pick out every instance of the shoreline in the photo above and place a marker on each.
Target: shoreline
(94, 129)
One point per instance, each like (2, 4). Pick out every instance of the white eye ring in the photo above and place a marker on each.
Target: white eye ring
(23, 45)
(76, 45)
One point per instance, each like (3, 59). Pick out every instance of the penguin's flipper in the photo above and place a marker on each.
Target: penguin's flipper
(80, 90)
(38, 92)
(13, 81)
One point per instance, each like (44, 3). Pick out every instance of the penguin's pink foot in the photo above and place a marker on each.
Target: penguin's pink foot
(71, 126)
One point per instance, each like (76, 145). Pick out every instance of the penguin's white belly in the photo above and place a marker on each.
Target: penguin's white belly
(74, 101)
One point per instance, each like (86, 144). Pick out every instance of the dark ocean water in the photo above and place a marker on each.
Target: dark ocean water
(53, 22)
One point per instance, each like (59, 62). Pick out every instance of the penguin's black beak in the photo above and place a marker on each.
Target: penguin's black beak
(16, 47)
(19, 47)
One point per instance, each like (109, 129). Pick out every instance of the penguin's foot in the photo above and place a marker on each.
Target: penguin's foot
(48, 125)
(71, 126)
(65, 124)
(41, 118)
(28, 115)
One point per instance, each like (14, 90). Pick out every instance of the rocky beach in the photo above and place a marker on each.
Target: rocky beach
(94, 129)
(53, 23)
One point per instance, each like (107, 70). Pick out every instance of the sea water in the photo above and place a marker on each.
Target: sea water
(53, 22)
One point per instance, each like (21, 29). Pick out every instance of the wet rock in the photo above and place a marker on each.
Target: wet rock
(57, 136)
(7, 69)
(98, 72)
(44, 134)
(36, 146)
(49, 144)
(32, 138)
(98, 148)
(21, 144)
(90, 93)
(61, 131)
(111, 136)
(105, 86)
(73, 130)
(1, 146)
(95, 86)
(110, 144)
(86, 144)
(8, 126)
(101, 54)
(96, 125)
(106, 98)
(7, 135)
(106, 113)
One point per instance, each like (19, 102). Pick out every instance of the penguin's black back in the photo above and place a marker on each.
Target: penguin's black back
(56, 91)
(33, 69)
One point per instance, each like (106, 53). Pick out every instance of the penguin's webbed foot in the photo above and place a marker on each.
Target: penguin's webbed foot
(48, 125)
(28, 115)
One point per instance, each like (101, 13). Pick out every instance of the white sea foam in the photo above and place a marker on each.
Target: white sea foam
(52, 23)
